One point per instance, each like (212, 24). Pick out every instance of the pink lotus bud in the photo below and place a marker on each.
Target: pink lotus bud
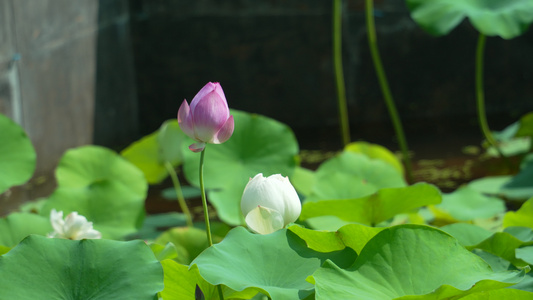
(207, 120)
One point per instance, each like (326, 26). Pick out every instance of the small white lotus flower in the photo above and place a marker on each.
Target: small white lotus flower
(269, 203)
(74, 227)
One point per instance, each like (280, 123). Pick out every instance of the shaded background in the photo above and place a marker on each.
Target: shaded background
(108, 72)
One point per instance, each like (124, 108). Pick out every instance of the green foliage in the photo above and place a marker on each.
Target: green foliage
(189, 242)
(507, 19)
(377, 207)
(16, 226)
(375, 151)
(17, 156)
(44, 268)
(353, 175)
(354, 236)
(466, 204)
(410, 261)
(522, 217)
(258, 145)
(181, 282)
(102, 186)
(467, 234)
(504, 245)
(276, 264)
(500, 294)
(151, 152)
(526, 126)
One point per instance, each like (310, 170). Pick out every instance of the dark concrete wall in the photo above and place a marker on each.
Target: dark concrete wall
(274, 58)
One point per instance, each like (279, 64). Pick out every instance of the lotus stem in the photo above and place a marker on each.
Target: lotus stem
(206, 214)
(480, 96)
(382, 78)
(179, 194)
(204, 201)
(339, 74)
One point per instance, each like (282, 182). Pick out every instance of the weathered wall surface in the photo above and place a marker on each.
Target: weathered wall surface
(47, 79)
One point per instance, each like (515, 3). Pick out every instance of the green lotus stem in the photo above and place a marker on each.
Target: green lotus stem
(177, 187)
(480, 96)
(206, 214)
(382, 78)
(204, 201)
(339, 74)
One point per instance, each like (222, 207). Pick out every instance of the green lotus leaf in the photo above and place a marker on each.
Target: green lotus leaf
(354, 236)
(522, 217)
(17, 156)
(16, 226)
(276, 264)
(152, 152)
(375, 151)
(525, 254)
(375, 208)
(353, 175)
(180, 283)
(500, 294)
(102, 186)
(467, 234)
(467, 204)
(189, 242)
(258, 145)
(504, 245)
(507, 19)
(410, 262)
(44, 268)
(526, 125)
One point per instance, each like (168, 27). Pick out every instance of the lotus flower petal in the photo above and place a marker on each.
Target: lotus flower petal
(264, 220)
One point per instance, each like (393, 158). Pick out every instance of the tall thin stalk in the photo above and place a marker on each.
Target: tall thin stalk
(206, 214)
(204, 200)
(480, 96)
(179, 193)
(382, 78)
(339, 74)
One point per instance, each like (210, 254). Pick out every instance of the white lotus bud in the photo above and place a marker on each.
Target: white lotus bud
(269, 203)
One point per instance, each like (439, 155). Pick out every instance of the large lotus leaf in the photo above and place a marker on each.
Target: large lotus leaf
(353, 175)
(17, 156)
(490, 185)
(500, 294)
(525, 254)
(507, 19)
(375, 208)
(189, 242)
(303, 180)
(526, 125)
(44, 268)
(409, 260)
(467, 234)
(180, 283)
(102, 186)
(522, 217)
(16, 226)
(258, 145)
(525, 234)
(466, 204)
(152, 152)
(144, 154)
(321, 241)
(354, 236)
(521, 185)
(375, 151)
(504, 245)
(277, 264)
